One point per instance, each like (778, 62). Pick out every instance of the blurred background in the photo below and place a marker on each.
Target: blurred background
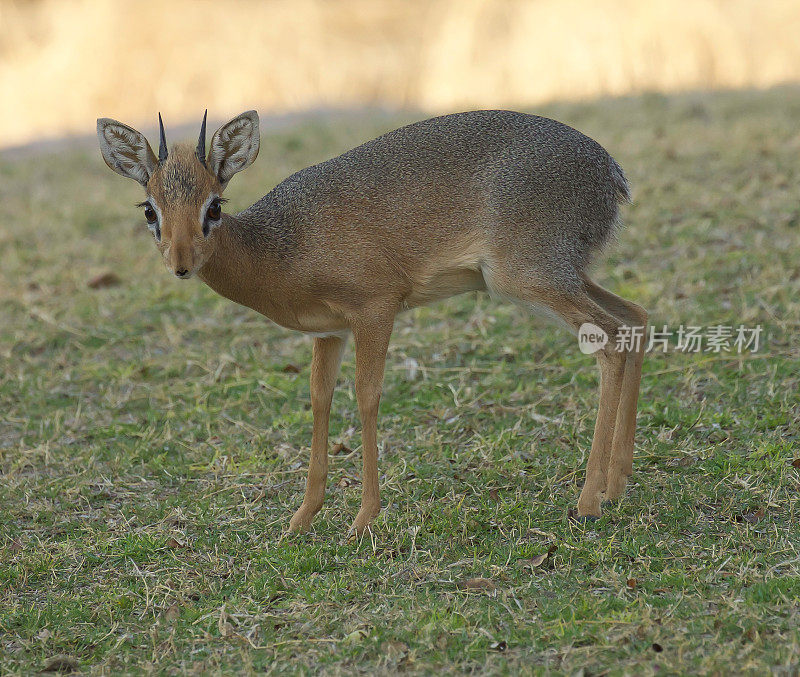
(63, 63)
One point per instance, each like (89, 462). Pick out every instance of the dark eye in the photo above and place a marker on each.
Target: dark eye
(150, 214)
(214, 211)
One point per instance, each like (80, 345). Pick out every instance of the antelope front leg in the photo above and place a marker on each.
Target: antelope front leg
(371, 343)
(327, 357)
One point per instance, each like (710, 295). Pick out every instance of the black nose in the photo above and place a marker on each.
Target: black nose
(182, 272)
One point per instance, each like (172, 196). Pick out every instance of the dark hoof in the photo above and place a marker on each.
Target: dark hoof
(573, 516)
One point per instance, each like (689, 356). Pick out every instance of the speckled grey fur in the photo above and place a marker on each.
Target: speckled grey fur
(544, 193)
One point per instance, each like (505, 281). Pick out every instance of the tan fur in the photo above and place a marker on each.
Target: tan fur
(454, 270)
(426, 212)
(182, 245)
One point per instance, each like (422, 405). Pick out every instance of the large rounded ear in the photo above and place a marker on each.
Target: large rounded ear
(234, 146)
(125, 150)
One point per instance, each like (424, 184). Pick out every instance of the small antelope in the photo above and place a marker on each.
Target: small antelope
(510, 203)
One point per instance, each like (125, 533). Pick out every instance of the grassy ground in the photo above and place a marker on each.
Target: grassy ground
(154, 438)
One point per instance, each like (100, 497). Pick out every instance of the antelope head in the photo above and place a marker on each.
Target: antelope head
(183, 185)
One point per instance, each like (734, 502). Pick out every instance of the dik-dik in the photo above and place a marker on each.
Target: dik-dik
(510, 203)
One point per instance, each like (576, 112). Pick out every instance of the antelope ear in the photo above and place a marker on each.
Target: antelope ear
(125, 150)
(234, 146)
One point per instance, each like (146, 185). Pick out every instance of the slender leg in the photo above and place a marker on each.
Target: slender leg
(621, 464)
(622, 447)
(612, 366)
(327, 357)
(576, 308)
(371, 342)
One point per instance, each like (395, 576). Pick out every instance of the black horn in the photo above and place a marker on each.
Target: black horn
(201, 142)
(162, 149)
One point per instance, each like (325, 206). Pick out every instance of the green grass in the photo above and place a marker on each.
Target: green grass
(153, 443)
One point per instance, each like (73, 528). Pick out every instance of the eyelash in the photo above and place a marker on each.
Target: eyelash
(154, 226)
(207, 220)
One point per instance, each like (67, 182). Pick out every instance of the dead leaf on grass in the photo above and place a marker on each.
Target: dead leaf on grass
(61, 663)
(355, 636)
(477, 584)
(538, 560)
(104, 280)
(751, 517)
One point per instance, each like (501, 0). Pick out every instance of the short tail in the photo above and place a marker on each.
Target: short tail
(622, 189)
